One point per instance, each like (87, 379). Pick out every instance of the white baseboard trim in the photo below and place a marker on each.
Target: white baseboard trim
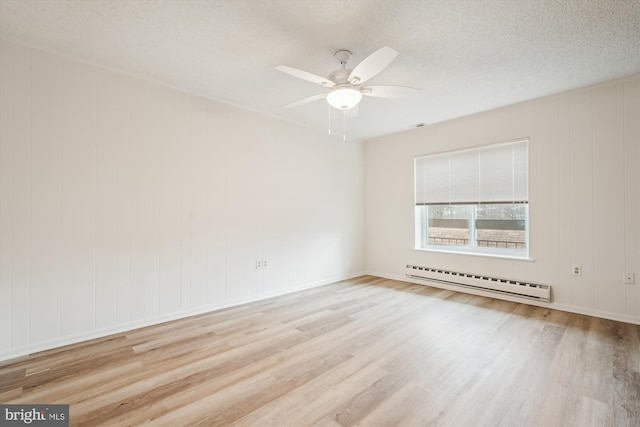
(553, 305)
(598, 313)
(129, 326)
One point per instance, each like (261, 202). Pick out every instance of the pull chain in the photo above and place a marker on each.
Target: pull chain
(344, 125)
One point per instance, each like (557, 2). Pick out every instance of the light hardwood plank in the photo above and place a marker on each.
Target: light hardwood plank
(366, 352)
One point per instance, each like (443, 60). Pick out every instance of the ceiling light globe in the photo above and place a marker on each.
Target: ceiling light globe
(344, 98)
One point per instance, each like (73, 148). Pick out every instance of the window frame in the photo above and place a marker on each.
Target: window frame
(421, 210)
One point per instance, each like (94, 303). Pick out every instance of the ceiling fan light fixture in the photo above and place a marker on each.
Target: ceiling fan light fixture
(344, 98)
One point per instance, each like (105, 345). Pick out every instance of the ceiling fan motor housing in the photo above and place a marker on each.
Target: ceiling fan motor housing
(340, 77)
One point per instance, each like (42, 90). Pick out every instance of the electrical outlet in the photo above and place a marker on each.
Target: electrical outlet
(258, 265)
(577, 270)
(264, 263)
(629, 278)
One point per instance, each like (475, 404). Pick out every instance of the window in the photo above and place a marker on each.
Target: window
(474, 201)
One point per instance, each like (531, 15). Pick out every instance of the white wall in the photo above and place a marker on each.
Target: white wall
(584, 195)
(124, 203)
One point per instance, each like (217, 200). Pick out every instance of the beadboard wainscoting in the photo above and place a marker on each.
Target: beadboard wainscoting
(584, 196)
(124, 202)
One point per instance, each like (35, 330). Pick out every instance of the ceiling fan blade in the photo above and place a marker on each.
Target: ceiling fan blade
(303, 101)
(305, 75)
(388, 91)
(372, 65)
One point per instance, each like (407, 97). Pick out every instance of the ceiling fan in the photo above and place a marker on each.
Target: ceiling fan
(347, 85)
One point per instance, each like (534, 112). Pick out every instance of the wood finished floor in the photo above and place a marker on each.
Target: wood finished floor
(367, 351)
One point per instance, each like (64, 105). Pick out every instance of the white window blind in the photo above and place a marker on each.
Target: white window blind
(495, 173)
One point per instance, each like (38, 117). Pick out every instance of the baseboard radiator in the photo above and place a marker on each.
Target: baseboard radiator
(517, 288)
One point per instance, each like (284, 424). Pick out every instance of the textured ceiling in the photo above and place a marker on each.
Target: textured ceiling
(466, 56)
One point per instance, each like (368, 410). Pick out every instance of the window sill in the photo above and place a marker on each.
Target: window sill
(477, 254)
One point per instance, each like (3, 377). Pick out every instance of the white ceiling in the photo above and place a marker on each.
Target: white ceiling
(466, 55)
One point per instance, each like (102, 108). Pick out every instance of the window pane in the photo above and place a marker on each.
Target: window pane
(448, 225)
(501, 226)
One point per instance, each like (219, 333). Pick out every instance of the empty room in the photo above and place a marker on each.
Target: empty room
(320, 213)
